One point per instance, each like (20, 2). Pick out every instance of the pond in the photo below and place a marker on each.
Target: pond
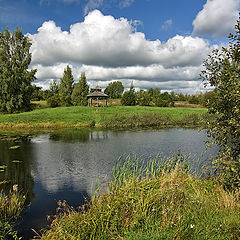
(65, 165)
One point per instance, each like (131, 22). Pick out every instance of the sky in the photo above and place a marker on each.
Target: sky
(150, 43)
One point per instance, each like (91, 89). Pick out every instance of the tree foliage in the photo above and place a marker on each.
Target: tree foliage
(54, 87)
(163, 100)
(114, 90)
(66, 87)
(222, 71)
(143, 98)
(37, 93)
(54, 100)
(129, 97)
(80, 91)
(15, 78)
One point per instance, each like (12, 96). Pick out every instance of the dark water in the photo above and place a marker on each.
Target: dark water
(65, 165)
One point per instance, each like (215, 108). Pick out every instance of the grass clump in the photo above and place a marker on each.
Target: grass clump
(11, 206)
(152, 201)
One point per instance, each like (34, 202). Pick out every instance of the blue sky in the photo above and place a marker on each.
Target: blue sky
(154, 43)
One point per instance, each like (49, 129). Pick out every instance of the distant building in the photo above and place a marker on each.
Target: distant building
(97, 97)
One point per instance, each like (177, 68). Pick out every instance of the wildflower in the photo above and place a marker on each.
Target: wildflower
(192, 226)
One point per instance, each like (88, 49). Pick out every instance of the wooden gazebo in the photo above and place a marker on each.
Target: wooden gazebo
(95, 96)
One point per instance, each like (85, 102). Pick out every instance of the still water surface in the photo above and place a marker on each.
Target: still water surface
(64, 165)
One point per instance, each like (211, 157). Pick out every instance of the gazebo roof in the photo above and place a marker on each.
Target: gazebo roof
(97, 88)
(97, 94)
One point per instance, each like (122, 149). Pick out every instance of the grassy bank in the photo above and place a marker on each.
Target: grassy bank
(152, 202)
(11, 206)
(110, 117)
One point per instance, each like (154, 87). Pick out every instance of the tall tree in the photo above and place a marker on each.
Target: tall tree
(114, 89)
(15, 78)
(66, 87)
(222, 71)
(80, 91)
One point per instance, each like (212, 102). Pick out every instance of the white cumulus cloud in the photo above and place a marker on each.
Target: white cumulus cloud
(217, 18)
(110, 49)
(104, 40)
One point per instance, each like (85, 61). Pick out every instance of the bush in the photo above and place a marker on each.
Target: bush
(163, 100)
(54, 101)
(143, 98)
(229, 169)
(129, 98)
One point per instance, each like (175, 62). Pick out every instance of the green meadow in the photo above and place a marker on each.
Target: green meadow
(105, 117)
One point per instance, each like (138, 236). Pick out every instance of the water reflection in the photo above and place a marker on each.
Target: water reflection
(64, 165)
(16, 156)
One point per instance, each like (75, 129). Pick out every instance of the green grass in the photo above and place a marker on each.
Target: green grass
(152, 201)
(40, 104)
(111, 117)
(11, 206)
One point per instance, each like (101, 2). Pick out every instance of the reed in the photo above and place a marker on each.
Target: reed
(149, 200)
(11, 206)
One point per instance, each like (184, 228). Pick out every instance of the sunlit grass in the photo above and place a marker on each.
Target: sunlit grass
(152, 201)
(116, 116)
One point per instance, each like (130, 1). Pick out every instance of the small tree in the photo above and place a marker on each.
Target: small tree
(53, 96)
(222, 71)
(143, 98)
(80, 91)
(37, 93)
(66, 87)
(54, 100)
(15, 78)
(54, 87)
(153, 92)
(114, 89)
(163, 100)
(129, 97)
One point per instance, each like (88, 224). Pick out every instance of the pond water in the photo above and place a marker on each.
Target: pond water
(65, 165)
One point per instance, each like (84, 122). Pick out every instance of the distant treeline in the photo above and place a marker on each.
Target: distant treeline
(66, 93)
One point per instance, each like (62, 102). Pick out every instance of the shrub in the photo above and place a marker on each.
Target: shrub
(129, 98)
(54, 101)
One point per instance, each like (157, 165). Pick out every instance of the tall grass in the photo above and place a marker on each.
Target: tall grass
(11, 206)
(154, 120)
(152, 201)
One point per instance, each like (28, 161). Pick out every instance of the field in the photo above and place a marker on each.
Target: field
(110, 117)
